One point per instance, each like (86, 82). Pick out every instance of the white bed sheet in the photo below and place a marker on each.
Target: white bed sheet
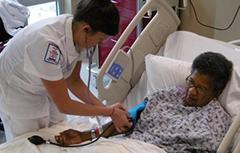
(112, 145)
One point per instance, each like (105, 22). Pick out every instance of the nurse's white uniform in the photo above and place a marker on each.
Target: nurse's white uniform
(41, 50)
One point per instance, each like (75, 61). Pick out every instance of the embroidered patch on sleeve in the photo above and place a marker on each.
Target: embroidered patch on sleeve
(53, 54)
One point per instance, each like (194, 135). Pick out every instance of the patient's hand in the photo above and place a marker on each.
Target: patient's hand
(69, 137)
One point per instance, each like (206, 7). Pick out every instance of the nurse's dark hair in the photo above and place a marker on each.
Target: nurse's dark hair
(101, 15)
(217, 67)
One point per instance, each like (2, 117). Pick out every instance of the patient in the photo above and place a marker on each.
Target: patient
(178, 119)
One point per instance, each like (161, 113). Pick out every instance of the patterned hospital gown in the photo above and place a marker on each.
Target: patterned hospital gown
(168, 124)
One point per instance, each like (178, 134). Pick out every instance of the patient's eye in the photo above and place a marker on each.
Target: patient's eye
(190, 81)
(199, 88)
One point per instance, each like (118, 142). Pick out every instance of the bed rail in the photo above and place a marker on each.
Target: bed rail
(148, 42)
(235, 42)
(228, 138)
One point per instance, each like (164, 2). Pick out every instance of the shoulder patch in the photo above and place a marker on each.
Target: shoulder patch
(52, 54)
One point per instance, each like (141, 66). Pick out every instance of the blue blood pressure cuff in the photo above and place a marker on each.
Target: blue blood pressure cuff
(135, 112)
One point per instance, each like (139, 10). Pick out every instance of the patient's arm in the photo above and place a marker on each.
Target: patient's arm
(75, 137)
(72, 136)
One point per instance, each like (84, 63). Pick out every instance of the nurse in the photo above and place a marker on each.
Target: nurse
(43, 61)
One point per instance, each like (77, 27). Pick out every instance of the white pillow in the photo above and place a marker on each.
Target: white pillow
(138, 93)
(230, 98)
(164, 72)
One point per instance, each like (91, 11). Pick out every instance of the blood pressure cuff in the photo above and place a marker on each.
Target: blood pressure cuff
(135, 112)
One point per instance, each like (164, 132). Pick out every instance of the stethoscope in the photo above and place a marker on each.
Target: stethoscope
(90, 53)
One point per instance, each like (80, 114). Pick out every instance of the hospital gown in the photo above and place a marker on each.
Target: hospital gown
(167, 123)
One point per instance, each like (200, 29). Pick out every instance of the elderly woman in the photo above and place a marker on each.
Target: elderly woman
(179, 119)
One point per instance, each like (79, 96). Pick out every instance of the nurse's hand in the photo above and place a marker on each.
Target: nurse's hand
(120, 119)
(120, 106)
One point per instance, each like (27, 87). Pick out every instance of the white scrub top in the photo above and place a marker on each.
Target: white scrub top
(41, 50)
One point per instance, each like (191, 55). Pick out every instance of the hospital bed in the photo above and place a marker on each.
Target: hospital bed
(139, 75)
(135, 83)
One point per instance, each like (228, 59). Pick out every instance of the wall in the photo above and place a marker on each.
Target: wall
(74, 4)
(69, 6)
(217, 13)
(31, 2)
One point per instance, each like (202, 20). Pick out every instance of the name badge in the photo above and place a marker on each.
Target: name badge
(53, 54)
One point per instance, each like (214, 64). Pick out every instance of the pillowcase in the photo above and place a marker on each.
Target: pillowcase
(163, 72)
(230, 97)
(138, 93)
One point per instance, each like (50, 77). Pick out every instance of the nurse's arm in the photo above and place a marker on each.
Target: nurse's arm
(78, 87)
(57, 90)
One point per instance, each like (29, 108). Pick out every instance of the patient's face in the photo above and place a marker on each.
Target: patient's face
(199, 91)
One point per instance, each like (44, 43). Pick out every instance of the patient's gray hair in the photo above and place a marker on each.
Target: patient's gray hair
(216, 66)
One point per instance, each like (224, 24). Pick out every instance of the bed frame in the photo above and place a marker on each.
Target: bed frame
(148, 42)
